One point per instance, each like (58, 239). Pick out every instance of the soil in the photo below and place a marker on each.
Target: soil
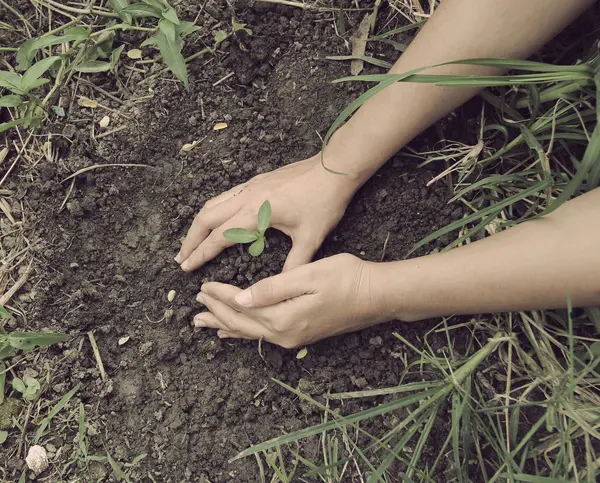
(105, 262)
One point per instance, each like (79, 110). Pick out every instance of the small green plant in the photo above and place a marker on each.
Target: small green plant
(28, 105)
(11, 342)
(28, 387)
(257, 238)
(169, 36)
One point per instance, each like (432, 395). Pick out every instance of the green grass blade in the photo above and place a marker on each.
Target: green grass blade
(364, 58)
(496, 207)
(54, 411)
(333, 424)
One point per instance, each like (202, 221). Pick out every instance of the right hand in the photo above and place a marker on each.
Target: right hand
(306, 200)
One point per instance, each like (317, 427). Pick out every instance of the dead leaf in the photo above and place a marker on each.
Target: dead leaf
(302, 353)
(123, 340)
(134, 54)
(85, 102)
(104, 122)
(186, 148)
(359, 45)
(220, 126)
(3, 154)
(359, 41)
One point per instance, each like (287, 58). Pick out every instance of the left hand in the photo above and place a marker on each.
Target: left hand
(298, 307)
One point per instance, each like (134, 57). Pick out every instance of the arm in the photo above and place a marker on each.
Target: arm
(459, 29)
(534, 265)
(307, 201)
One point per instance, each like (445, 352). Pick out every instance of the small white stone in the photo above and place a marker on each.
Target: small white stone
(37, 459)
(171, 295)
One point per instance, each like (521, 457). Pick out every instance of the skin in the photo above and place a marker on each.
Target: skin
(531, 266)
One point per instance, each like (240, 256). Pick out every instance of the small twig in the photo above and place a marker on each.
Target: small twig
(97, 355)
(223, 79)
(95, 166)
(116, 130)
(17, 286)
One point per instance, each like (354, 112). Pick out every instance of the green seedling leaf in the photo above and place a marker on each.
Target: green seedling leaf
(116, 468)
(3, 436)
(33, 74)
(11, 81)
(168, 28)
(59, 111)
(240, 235)
(10, 101)
(32, 388)
(236, 27)
(220, 36)
(30, 340)
(27, 51)
(115, 56)
(142, 10)
(257, 247)
(264, 216)
(171, 53)
(171, 15)
(118, 6)
(54, 411)
(93, 66)
(6, 351)
(157, 4)
(19, 385)
(5, 314)
(186, 28)
(8, 125)
(149, 41)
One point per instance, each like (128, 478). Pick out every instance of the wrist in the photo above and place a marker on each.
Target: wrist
(400, 290)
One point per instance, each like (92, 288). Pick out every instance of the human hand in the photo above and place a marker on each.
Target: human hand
(306, 200)
(306, 304)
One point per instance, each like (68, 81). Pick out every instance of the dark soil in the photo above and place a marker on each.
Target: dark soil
(105, 263)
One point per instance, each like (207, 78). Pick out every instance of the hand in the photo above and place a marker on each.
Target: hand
(301, 306)
(306, 200)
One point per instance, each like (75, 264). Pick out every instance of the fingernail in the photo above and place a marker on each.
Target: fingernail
(203, 288)
(179, 258)
(185, 265)
(244, 298)
(200, 298)
(199, 321)
(222, 335)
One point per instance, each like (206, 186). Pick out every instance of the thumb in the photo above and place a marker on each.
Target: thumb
(302, 252)
(273, 290)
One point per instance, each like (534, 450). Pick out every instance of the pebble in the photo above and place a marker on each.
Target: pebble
(171, 295)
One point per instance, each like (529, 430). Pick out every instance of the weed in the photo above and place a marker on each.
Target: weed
(28, 387)
(257, 238)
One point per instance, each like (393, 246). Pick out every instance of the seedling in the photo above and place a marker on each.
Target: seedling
(169, 36)
(28, 387)
(29, 106)
(257, 238)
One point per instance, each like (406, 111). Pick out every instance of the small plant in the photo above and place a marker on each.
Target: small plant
(257, 238)
(28, 387)
(25, 341)
(169, 36)
(29, 107)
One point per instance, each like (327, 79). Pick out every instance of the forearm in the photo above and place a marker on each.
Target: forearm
(459, 29)
(535, 265)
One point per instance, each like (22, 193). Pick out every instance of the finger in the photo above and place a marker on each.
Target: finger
(208, 321)
(215, 243)
(223, 334)
(302, 252)
(232, 320)
(205, 221)
(273, 290)
(221, 291)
